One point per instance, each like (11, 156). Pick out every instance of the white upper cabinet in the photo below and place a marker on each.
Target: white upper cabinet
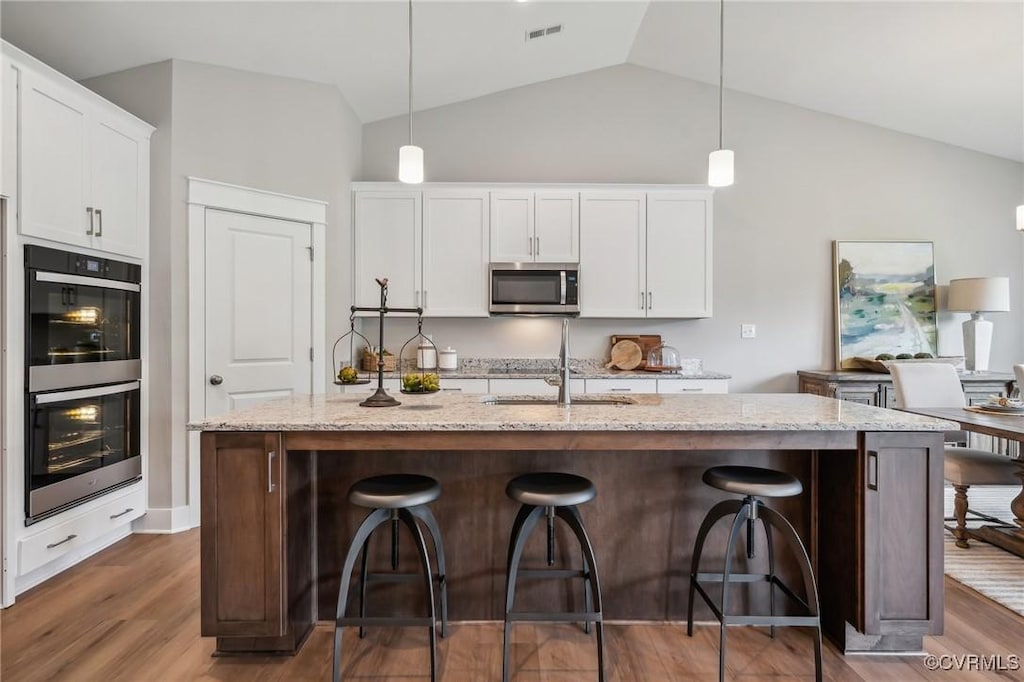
(455, 247)
(535, 226)
(387, 244)
(431, 246)
(83, 163)
(612, 254)
(646, 254)
(678, 255)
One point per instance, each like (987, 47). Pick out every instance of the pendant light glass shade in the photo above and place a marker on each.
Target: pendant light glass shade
(720, 168)
(410, 164)
(1020, 218)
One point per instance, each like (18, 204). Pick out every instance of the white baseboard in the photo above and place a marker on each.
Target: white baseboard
(164, 520)
(43, 573)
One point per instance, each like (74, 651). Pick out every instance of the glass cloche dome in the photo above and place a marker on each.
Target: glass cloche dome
(664, 358)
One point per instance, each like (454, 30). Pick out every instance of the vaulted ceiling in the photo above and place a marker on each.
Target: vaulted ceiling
(949, 71)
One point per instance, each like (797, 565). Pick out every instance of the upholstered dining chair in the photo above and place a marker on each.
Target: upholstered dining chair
(1018, 371)
(932, 384)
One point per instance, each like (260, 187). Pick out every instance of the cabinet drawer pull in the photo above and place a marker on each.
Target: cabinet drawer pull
(99, 223)
(89, 211)
(270, 471)
(452, 389)
(691, 390)
(872, 470)
(620, 390)
(119, 515)
(57, 544)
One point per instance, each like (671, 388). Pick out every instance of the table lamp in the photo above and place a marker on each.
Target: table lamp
(977, 295)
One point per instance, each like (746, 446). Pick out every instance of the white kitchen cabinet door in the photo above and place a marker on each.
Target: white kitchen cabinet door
(532, 387)
(511, 215)
(684, 386)
(678, 255)
(386, 244)
(116, 193)
(54, 175)
(455, 246)
(613, 254)
(556, 227)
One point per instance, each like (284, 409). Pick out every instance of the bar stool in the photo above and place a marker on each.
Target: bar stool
(550, 495)
(753, 482)
(395, 498)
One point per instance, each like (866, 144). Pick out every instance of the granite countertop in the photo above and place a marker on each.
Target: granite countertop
(455, 412)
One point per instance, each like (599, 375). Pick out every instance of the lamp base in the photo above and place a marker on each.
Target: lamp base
(977, 343)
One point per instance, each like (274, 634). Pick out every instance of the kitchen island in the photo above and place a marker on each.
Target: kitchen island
(276, 522)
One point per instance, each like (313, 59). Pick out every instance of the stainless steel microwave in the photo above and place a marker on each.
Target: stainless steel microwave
(535, 288)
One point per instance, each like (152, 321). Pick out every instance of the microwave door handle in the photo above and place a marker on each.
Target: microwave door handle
(562, 279)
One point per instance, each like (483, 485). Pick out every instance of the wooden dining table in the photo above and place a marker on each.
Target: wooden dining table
(1011, 427)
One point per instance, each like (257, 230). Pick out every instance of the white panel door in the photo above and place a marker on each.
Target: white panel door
(115, 190)
(512, 226)
(612, 250)
(678, 256)
(387, 244)
(54, 195)
(455, 247)
(258, 310)
(557, 227)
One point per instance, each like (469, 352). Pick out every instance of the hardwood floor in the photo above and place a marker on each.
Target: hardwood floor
(131, 614)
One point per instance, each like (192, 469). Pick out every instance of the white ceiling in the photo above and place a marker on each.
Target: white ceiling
(950, 71)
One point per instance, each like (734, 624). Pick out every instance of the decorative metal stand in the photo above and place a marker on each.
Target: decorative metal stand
(380, 397)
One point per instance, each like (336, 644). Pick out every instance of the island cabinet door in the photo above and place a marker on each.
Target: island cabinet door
(902, 533)
(242, 537)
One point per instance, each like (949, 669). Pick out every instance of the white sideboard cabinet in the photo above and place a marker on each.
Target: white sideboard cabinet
(83, 163)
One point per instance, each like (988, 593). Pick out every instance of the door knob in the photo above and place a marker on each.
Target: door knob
(216, 380)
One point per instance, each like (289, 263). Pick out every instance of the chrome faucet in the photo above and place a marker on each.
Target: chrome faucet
(563, 367)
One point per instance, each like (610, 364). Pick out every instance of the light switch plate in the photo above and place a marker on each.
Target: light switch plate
(748, 331)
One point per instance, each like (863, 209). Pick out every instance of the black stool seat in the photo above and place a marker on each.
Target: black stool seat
(753, 481)
(394, 491)
(551, 489)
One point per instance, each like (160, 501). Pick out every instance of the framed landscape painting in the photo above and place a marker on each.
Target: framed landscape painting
(884, 299)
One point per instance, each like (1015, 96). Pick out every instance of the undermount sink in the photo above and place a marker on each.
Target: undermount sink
(576, 400)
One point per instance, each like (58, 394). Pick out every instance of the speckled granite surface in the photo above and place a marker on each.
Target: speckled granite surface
(538, 368)
(455, 412)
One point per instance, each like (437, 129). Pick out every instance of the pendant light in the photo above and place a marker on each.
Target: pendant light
(410, 157)
(720, 161)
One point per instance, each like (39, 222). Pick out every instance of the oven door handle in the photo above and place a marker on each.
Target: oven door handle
(61, 278)
(61, 396)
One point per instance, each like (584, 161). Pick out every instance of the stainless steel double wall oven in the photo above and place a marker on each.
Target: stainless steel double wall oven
(83, 373)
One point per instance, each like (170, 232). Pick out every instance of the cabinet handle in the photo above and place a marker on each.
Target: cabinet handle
(690, 390)
(650, 301)
(99, 223)
(620, 390)
(459, 390)
(115, 516)
(270, 471)
(529, 245)
(89, 211)
(57, 544)
(536, 249)
(872, 470)
(417, 298)
(641, 300)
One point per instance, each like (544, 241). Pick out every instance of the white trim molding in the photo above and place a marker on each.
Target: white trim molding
(210, 194)
(164, 520)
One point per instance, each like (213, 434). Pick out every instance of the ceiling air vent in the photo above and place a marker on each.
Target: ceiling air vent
(542, 32)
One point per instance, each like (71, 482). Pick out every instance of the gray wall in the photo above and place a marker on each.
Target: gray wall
(803, 179)
(278, 134)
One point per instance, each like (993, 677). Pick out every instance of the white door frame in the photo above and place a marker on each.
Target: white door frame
(209, 194)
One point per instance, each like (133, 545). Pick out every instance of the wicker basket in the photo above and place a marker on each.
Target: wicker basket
(370, 362)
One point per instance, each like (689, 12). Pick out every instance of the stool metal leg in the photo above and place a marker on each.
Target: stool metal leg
(571, 516)
(588, 593)
(424, 514)
(373, 520)
(771, 570)
(720, 510)
(421, 547)
(526, 521)
(362, 586)
(741, 518)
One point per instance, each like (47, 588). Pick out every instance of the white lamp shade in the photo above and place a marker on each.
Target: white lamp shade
(1020, 218)
(720, 168)
(410, 164)
(979, 294)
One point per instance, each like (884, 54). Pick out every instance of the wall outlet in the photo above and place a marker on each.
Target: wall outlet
(748, 331)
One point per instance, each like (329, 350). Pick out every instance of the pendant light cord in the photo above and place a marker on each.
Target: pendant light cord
(721, 63)
(410, 72)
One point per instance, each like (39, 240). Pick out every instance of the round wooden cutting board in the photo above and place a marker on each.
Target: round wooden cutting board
(626, 355)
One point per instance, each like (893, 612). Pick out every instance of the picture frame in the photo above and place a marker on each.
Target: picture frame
(884, 300)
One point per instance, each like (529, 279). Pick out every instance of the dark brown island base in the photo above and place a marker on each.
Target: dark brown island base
(276, 522)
